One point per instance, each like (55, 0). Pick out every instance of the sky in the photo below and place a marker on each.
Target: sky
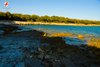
(77, 9)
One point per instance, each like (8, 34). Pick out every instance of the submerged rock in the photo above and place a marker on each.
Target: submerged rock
(75, 41)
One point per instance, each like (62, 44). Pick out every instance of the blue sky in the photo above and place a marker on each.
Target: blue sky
(81, 9)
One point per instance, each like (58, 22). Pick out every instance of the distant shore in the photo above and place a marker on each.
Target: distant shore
(53, 23)
(45, 23)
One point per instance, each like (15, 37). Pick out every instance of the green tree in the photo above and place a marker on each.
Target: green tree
(35, 18)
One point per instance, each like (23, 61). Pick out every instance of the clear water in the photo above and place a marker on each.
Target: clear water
(93, 30)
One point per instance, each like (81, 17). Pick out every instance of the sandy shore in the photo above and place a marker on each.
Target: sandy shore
(45, 23)
(48, 23)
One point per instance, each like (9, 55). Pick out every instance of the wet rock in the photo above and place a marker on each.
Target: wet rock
(47, 56)
(8, 28)
(10, 58)
(40, 50)
(41, 56)
(20, 64)
(1, 47)
(32, 62)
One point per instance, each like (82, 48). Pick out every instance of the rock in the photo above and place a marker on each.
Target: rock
(20, 64)
(32, 62)
(41, 56)
(47, 56)
(39, 49)
(10, 58)
(80, 36)
(1, 47)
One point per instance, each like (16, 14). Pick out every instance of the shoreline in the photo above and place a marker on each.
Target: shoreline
(52, 23)
(28, 50)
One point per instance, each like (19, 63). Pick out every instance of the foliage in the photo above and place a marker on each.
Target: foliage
(36, 18)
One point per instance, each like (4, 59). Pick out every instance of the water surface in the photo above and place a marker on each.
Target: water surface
(93, 30)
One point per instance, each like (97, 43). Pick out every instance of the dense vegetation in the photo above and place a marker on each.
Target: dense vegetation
(36, 18)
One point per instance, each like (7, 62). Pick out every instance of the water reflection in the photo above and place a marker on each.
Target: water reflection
(74, 41)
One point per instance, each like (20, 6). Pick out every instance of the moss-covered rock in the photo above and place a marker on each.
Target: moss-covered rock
(53, 43)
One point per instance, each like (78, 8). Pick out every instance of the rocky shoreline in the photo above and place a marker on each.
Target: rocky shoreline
(32, 49)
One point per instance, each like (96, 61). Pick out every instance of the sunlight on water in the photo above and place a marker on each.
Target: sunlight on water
(92, 30)
(86, 31)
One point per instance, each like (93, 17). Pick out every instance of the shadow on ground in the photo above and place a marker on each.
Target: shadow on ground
(32, 49)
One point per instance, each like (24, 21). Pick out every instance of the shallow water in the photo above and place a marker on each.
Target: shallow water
(92, 30)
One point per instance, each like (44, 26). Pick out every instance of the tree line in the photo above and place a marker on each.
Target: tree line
(36, 18)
